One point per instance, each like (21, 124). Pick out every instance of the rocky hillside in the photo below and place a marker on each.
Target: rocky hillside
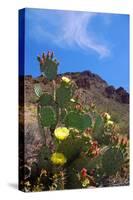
(86, 81)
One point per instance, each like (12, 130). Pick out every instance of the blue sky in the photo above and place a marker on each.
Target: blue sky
(81, 41)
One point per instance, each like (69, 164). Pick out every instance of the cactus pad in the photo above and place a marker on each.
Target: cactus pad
(70, 148)
(98, 129)
(112, 160)
(50, 69)
(47, 116)
(63, 96)
(43, 158)
(38, 90)
(78, 120)
(46, 100)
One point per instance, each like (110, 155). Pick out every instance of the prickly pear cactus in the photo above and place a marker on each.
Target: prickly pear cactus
(84, 145)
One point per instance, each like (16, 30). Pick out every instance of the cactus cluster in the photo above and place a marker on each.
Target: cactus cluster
(84, 146)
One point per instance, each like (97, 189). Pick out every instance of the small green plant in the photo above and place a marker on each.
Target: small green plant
(83, 147)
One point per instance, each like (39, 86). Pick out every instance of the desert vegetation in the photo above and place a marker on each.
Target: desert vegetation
(81, 146)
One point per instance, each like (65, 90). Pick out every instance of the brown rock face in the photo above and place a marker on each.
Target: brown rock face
(110, 91)
(122, 95)
(119, 94)
(83, 83)
(87, 80)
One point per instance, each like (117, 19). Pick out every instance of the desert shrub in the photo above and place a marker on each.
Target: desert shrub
(84, 146)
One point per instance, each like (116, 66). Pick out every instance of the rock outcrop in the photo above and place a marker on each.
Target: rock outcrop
(120, 94)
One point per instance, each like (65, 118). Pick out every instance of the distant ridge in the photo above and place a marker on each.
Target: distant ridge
(92, 82)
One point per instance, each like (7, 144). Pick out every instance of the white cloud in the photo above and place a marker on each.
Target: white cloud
(69, 29)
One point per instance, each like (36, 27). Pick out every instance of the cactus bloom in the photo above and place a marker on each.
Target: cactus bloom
(110, 123)
(85, 182)
(95, 150)
(61, 133)
(66, 80)
(48, 54)
(106, 116)
(58, 158)
(72, 100)
(84, 172)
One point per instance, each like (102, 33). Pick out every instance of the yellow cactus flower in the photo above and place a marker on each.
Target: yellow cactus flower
(61, 133)
(85, 182)
(58, 158)
(110, 123)
(66, 80)
(106, 116)
(72, 100)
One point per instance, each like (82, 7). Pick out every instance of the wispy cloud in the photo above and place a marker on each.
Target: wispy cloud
(67, 30)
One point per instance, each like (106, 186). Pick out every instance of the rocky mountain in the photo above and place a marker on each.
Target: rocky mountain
(90, 81)
(86, 81)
